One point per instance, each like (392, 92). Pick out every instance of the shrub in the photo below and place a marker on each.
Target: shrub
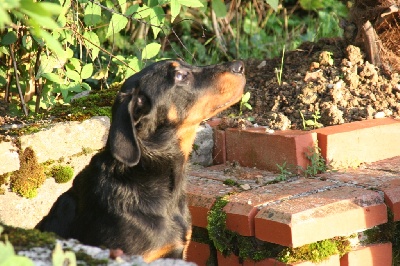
(29, 177)
(62, 174)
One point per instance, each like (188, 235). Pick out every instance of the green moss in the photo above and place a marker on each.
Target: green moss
(216, 226)
(388, 232)
(228, 242)
(316, 252)
(97, 103)
(254, 249)
(89, 260)
(29, 177)
(230, 182)
(28, 238)
(62, 174)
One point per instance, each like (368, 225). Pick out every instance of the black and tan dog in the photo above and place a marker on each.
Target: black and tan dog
(132, 194)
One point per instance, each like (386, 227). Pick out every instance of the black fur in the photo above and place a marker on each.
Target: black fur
(132, 194)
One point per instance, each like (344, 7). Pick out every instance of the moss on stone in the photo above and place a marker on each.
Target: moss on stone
(230, 182)
(27, 238)
(30, 175)
(97, 103)
(62, 174)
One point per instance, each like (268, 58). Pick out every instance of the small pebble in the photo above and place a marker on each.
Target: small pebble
(262, 64)
(245, 186)
(379, 115)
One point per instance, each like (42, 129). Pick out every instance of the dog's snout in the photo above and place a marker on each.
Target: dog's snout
(237, 67)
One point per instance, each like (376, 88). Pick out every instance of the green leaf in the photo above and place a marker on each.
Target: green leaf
(122, 4)
(92, 43)
(219, 8)
(246, 97)
(87, 71)
(151, 50)
(9, 38)
(157, 17)
(52, 77)
(273, 4)
(86, 86)
(4, 18)
(311, 4)
(72, 74)
(191, 3)
(52, 43)
(92, 14)
(175, 9)
(74, 64)
(27, 42)
(248, 106)
(117, 23)
(138, 12)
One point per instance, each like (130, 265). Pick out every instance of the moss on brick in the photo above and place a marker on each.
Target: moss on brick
(316, 252)
(228, 242)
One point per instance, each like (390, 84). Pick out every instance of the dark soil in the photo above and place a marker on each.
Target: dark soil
(341, 90)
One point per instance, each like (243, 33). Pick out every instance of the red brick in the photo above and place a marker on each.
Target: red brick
(214, 122)
(201, 194)
(198, 253)
(386, 181)
(243, 207)
(392, 197)
(304, 220)
(256, 148)
(230, 260)
(331, 261)
(350, 144)
(219, 150)
(371, 255)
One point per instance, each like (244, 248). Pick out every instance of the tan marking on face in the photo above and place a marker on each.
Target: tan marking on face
(228, 90)
(175, 64)
(160, 253)
(173, 114)
(188, 237)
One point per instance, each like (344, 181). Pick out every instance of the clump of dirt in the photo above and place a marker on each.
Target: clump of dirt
(322, 84)
(374, 25)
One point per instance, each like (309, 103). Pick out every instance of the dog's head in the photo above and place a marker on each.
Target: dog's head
(170, 96)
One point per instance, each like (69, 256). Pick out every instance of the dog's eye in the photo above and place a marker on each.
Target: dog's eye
(180, 75)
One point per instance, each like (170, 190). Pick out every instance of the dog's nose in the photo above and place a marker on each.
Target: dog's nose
(237, 67)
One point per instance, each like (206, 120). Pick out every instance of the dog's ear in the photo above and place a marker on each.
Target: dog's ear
(123, 140)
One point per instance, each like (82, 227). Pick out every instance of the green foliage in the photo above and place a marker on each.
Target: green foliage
(279, 72)
(244, 103)
(29, 177)
(8, 256)
(317, 162)
(311, 123)
(62, 174)
(63, 47)
(316, 252)
(284, 172)
(61, 258)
